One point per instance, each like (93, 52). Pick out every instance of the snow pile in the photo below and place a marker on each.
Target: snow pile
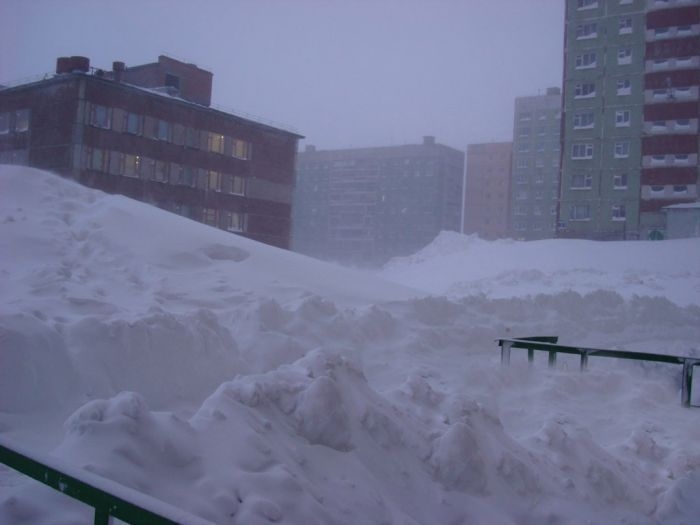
(458, 265)
(245, 384)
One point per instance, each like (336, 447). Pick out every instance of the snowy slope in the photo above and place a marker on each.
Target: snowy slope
(458, 265)
(245, 384)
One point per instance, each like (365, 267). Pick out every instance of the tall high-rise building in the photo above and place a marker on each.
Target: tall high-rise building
(487, 189)
(363, 206)
(630, 122)
(535, 169)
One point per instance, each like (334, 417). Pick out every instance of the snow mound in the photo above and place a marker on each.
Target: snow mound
(458, 265)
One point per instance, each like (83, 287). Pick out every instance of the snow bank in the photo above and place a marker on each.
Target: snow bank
(245, 384)
(458, 265)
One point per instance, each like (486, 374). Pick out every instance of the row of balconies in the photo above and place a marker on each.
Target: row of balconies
(662, 33)
(671, 94)
(665, 127)
(653, 5)
(684, 159)
(667, 64)
(669, 191)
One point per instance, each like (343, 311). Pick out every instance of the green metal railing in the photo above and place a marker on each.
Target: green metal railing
(549, 344)
(108, 498)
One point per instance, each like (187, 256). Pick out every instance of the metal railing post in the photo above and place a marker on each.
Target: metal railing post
(505, 352)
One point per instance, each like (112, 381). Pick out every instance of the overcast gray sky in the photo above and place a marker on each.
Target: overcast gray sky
(344, 73)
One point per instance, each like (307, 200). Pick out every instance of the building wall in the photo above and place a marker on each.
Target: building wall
(643, 143)
(210, 166)
(535, 167)
(364, 206)
(671, 113)
(487, 189)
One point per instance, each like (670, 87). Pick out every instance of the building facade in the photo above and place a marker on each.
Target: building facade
(365, 206)
(148, 133)
(628, 147)
(535, 169)
(487, 189)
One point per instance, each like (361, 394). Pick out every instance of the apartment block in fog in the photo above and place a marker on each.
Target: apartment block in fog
(365, 206)
(487, 189)
(148, 132)
(630, 145)
(535, 169)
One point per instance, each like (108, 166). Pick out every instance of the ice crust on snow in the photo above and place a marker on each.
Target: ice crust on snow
(244, 384)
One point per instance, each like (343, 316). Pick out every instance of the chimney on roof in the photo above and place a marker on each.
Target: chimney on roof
(118, 70)
(72, 65)
(429, 140)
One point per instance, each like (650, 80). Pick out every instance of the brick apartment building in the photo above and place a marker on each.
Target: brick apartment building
(148, 132)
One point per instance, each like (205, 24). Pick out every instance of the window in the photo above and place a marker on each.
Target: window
(582, 151)
(539, 163)
(4, 123)
(586, 60)
(684, 31)
(624, 56)
(96, 159)
(539, 147)
(539, 195)
(148, 168)
(537, 210)
(116, 163)
(164, 130)
(625, 26)
(658, 160)
(584, 31)
(580, 212)
(524, 131)
(179, 134)
(132, 165)
(585, 90)
(520, 210)
(161, 173)
(662, 32)
(214, 181)
(521, 178)
(618, 212)
(176, 173)
(622, 118)
(21, 120)
(583, 120)
(581, 181)
(624, 87)
(680, 189)
(620, 181)
(242, 149)
(232, 184)
(525, 115)
(216, 143)
(234, 221)
(681, 159)
(521, 195)
(210, 216)
(134, 123)
(622, 149)
(521, 163)
(657, 190)
(555, 163)
(586, 4)
(541, 130)
(553, 209)
(523, 147)
(192, 138)
(683, 123)
(188, 176)
(99, 116)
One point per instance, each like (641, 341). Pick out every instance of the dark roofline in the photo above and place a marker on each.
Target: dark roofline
(149, 92)
(416, 148)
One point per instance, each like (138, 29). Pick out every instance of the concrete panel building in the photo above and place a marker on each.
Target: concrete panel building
(535, 169)
(630, 135)
(148, 133)
(365, 206)
(487, 189)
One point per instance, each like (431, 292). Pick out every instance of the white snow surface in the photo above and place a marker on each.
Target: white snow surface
(245, 384)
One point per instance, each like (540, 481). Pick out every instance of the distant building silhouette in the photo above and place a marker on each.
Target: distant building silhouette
(365, 206)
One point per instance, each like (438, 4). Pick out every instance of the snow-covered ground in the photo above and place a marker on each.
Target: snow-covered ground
(245, 384)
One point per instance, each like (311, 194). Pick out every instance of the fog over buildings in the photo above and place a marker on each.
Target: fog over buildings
(343, 74)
